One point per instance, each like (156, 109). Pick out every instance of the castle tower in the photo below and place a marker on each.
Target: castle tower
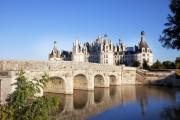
(106, 54)
(78, 52)
(55, 53)
(145, 53)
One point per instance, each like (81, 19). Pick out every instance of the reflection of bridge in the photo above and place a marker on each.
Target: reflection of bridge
(83, 104)
(66, 76)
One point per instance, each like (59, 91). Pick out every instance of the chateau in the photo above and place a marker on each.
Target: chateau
(103, 51)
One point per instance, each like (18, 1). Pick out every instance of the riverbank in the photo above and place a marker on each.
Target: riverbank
(163, 77)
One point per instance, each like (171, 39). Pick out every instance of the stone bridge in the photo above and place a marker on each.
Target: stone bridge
(65, 76)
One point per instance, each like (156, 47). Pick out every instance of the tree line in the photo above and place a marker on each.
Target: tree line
(159, 65)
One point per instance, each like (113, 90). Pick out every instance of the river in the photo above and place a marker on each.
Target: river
(120, 103)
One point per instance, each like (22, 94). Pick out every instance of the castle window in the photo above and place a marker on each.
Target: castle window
(147, 49)
(106, 61)
(143, 50)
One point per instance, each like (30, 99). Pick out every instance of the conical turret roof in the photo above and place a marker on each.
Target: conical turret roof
(143, 43)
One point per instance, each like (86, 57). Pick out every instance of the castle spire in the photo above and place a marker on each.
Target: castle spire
(55, 42)
(142, 35)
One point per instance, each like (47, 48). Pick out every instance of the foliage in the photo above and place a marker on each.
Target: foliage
(136, 64)
(177, 63)
(171, 35)
(168, 65)
(157, 65)
(145, 65)
(24, 103)
(178, 74)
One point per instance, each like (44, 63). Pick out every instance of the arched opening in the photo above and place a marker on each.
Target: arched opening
(55, 85)
(80, 82)
(80, 98)
(112, 80)
(98, 81)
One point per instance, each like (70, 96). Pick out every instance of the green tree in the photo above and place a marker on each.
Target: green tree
(171, 35)
(168, 65)
(136, 64)
(24, 104)
(145, 65)
(157, 65)
(177, 62)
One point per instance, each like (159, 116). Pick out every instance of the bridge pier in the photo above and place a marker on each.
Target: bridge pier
(106, 81)
(90, 82)
(6, 87)
(69, 85)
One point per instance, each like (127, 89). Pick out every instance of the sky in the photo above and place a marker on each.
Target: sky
(29, 27)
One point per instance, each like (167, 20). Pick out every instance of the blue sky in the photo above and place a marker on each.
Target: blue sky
(29, 27)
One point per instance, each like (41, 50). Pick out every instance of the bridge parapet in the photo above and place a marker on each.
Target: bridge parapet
(55, 65)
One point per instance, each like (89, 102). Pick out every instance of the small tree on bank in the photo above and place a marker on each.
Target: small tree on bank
(157, 65)
(136, 64)
(177, 63)
(168, 65)
(23, 103)
(145, 65)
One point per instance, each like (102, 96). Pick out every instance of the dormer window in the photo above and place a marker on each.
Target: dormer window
(143, 50)
(147, 49)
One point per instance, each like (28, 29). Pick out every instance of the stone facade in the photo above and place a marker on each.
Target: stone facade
(103, 51)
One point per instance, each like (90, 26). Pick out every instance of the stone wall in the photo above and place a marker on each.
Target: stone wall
(6, 81)
(166, 78)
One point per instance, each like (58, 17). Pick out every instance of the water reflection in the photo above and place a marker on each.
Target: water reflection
(112, 91)
(80, 99)
(142, 102)
(98, 95)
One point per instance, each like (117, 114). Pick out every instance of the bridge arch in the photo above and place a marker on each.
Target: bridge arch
(80, 82)
(98, 81)
(55, 85)
(112, 80)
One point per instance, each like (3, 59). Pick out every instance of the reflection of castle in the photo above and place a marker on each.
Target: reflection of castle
(103, 51)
